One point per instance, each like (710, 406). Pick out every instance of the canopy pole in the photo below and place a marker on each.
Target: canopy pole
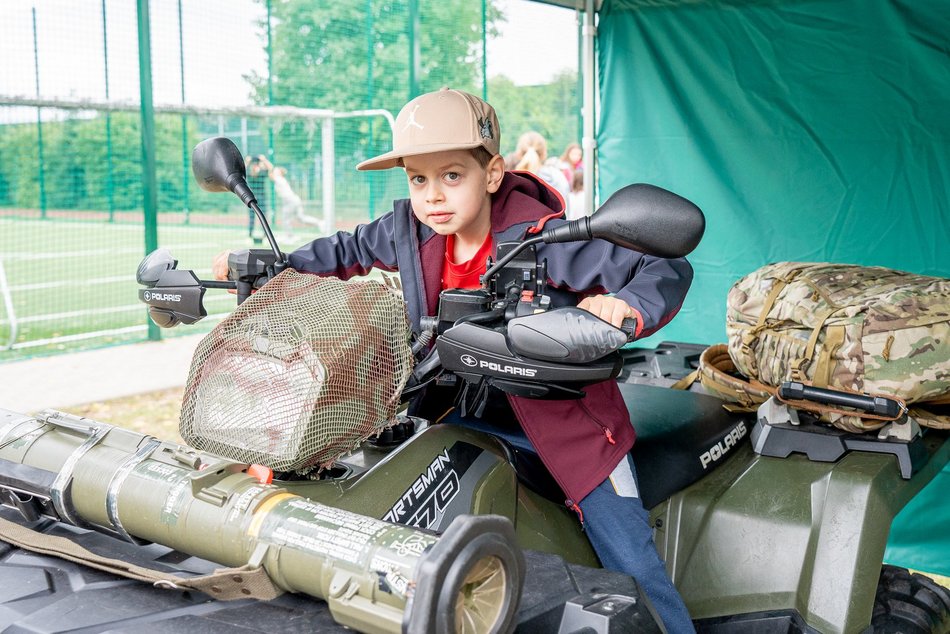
(589, 142)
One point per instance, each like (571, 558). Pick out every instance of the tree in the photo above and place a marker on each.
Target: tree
(351, 55)
(551, 109)
(346, 56)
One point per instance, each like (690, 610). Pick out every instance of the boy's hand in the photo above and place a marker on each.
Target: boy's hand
(219, 266)
(608, 308)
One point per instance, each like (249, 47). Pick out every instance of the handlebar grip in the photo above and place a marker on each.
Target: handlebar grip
(878, 405)
(244, 290)
(629, 326)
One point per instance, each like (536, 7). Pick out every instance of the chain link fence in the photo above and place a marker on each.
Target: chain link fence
(306, 90)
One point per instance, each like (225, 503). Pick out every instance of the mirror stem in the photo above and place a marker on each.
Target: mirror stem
(267, 232)
(573, 231)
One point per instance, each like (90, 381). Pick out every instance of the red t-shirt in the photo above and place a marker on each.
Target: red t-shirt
(464, 274)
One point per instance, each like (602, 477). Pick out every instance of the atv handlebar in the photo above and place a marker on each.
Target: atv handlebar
(504, 332)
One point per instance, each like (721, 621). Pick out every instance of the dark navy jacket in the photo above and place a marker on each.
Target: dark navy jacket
(580, 441)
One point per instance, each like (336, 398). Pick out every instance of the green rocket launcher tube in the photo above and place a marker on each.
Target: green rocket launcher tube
(375, 576)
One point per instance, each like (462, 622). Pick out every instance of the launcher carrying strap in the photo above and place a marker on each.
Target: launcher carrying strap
(226, 584)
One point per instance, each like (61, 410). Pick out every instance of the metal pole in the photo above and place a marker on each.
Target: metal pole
(8, 303)
(414, 53)
(110, 184)
(39, 121)
(484, 51)
(149, 180)
(270, 60)
(589, 142)
(581, 74)
(329, 194)
(273, 112)
(184, 118)
(370, 89)
(270, 102)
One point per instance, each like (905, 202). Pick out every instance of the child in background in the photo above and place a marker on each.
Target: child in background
(575, 201)
(531, 155)
(291, 207)
(572, 160)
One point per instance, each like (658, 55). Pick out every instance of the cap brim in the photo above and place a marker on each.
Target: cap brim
(394, 158)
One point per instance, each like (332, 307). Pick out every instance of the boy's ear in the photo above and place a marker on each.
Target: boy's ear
(495, 172)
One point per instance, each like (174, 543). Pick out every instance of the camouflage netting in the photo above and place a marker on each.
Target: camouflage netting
(300, 374)
(860, 328)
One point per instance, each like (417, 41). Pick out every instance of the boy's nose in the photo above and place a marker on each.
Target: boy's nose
(434, 194)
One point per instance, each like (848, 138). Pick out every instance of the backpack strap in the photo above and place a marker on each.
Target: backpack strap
(717, 373)
(750, 337)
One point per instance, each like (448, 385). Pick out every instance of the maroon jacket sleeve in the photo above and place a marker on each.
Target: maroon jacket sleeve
(654, 287)
(370, 246)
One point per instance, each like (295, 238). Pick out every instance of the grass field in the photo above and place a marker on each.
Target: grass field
(67, 279)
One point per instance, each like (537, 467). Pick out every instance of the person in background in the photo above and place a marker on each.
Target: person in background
(572, 160)
(531, 155)
(575, 203)
(258, 173)
(291, 206)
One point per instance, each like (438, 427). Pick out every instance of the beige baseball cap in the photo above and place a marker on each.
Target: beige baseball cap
(440, 121)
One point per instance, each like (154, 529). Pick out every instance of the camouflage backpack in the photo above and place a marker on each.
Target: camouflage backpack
(864, 329)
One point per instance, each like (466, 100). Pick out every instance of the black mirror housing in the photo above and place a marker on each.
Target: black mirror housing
(641, 217)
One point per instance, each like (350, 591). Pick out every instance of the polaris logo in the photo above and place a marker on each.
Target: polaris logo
(720, 449)
(162, 297)
(507, 369)
(469, 360)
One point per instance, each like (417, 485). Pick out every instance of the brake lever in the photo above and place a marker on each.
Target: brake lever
(629, 326)
(424, 373)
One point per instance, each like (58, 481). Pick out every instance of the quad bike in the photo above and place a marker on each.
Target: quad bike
(770, 522)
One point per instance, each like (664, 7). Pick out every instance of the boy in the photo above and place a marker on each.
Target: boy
(462, 204)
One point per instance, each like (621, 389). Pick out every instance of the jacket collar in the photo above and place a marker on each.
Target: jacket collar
(523, 197)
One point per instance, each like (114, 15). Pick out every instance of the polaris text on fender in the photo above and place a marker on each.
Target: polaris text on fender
(720, 449)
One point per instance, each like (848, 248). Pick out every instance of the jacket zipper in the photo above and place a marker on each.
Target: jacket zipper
(606, 431)
(571, 504)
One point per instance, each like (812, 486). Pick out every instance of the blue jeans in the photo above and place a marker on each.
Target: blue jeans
(619, 530)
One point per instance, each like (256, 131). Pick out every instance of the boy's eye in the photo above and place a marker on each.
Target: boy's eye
(452, 176)
(417, 180)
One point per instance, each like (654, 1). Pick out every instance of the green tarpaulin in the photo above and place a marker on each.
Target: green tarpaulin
(807, 130)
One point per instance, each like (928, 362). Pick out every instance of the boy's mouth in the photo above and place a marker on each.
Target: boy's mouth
(440, 217)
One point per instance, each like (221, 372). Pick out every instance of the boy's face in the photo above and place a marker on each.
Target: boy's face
(451, 192)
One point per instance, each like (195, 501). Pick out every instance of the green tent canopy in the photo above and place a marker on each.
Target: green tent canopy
(807, 130)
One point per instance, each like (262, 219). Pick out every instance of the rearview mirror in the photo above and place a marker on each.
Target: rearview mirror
(641, 217)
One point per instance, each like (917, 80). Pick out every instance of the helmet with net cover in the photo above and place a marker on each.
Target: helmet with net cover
(301, 373)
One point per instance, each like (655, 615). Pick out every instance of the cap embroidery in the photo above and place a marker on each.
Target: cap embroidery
(412, 119)
(484, 128)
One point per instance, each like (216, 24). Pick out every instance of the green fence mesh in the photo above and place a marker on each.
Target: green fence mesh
(308, 86)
